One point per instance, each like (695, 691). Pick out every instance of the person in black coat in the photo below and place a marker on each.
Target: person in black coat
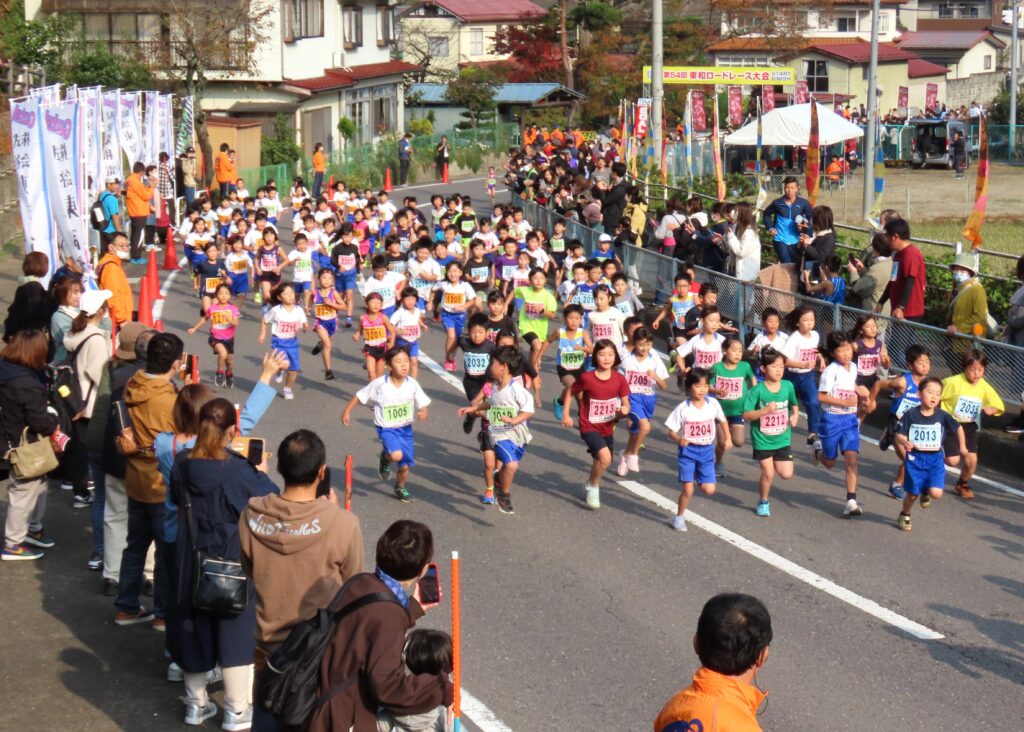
(612, 196)
(23, 404)
(218, 484)
(32, 306)
(818, 247)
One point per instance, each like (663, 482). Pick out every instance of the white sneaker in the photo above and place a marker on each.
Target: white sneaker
(66, 486)
(174, 673)
(633, 462)
(623, 467)
(593, 497)
(237, 721)
(195, 715)
(852, 508)
(279, 378)
(679, 523)
(287, 393)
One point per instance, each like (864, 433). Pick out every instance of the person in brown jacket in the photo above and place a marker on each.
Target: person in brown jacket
(366, 647)
(113, 278)
(149, 396)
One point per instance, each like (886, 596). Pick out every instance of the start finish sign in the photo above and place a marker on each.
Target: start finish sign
(725, 75)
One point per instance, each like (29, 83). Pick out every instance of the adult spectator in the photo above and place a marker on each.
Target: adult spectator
(157, 214)
(149, 397)
(785, 219)
(111, 212)
(67, 295)
(139, 204)
(367, 643)
(818, 248)
(188, 175)
(665, 233)
(636, 213)
(111, 277)
(745, 244)
(959, 151)
(32, 306)
(968, 310)
(320, 168)
(612, 196)
(223, 170)
(165, 186)
(1015, 313)
(691, 236)
(295, 572)
(23, 404)
(868, 281)
(212, 487)
(601, 172)
(442, 154)
(908, 278)
(733, 635)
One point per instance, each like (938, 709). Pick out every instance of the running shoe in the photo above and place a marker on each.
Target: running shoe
(142, 615)
(318, 348)
(811, 439)
(65, 486)
(885, 441)
(505, 503)
(229, 381)
(719, 471)
(679, 523)
(82, 501)
(328, 375)
(234, 721)
(95, 563)
(287, 393)
(467, 423)
(896, 491)
(218, 378)
(175, 673)
(41, 541)
(449, 366)
(348, 322)
(20, 553)
(623, 467)
(763, 509)
(384, 466)
(402, 493)
(257, 298)
(903, 522)
(1016, 427)
(926, 500)
(964, 491)
(852, 508)
(488, 497)
(279, 378)
(559, 412)
(593, 497)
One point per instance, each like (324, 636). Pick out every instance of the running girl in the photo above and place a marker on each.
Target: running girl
(238, 264)
(223, 317)
(603, 399)
(410, 322)
(457, 298)
(270, 260)
(694, 426)
(377, 333)
(574, 345)
(384, 283)
(396, 398)
(871, 354)
(210, 273)
(803, 357)
(537, 305)
(705, 347)
(643, 372)
(731, 379)
(605, 319)
(327, 303)
(286, 320)
(491, 184)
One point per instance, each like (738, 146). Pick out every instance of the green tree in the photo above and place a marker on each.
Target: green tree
(999, 111)
(281, 146)
(35, 42)
(347, 128)
(92, 64)
(474, 90)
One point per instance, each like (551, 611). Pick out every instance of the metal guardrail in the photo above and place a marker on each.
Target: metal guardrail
(742, 302)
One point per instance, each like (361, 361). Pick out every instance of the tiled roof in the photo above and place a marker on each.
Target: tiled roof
(760, 43)
(348, 76)
(483, 10)
(946, 40)
(860, 52)
(505, 94)
(918, 67)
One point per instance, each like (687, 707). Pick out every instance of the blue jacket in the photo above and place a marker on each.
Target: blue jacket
(781, 216)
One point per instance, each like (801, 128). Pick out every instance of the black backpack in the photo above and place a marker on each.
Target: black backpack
(97, 216)
(288, 687)
(65, 389)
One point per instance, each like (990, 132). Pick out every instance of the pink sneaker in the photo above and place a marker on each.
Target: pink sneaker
(449, 366)
(633, 462)
(623, 466)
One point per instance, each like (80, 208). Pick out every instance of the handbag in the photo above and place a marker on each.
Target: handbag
(31, 459)
(219, 586)
(124, 433)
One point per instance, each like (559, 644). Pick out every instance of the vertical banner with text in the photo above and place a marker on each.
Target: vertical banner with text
(92, 137)
(186, 130)
(110, 156)
(802, 94)
(700, 116)
(130, 132)
(62, 141)
(903, 100)
(167, 126)
(27, 157)
(735, 106)
(931, 97)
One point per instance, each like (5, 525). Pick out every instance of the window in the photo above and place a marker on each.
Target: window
(130, 34)
(476, 41)
(969, 10)
(357, 113)
(988, 62)
(352, 19)
(385, 25)
(946, 11)
(883, 22)
(303, 19)
(438, 46)
(816, 75)
(742, 61)
(846, 24)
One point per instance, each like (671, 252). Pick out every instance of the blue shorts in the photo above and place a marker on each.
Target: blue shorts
(697, 464)
(301, 287)
(346, 280)
(323, 261)
(924, 470)
(290, 348)
(457, 321)
(329, 325)
(239, 284)
(641, 406)
(389, 311)
(412, 346)
(398, 438)
(839, 433)
(509, 452)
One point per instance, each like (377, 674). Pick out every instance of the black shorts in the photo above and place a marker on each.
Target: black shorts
(530, 338)
(596, 442)
(270, 277)
(574, 373)
(485, 440)
(868, 381)
(228, 343)
(376, 352)
(782, 455)
(472, 387)
(679, 333)
(951, 446)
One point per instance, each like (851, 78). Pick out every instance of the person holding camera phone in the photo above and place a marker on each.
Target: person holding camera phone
(786, 217)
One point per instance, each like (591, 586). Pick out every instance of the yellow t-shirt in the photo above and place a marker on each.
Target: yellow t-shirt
(965, 400)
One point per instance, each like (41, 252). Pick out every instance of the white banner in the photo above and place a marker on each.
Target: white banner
(150, 128)
(130, 133)
(92, 139)
(62, 141)
(111, 155)
(167, 140)
(47, 94)
(27, 157)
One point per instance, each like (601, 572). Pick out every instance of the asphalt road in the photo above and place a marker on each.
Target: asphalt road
(574, 619)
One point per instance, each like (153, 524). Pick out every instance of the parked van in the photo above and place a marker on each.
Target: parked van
(933, 142)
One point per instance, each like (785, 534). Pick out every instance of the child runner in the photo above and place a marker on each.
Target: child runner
(326, 305)
(238, 264)
(478, 269)
(497, 320)
(537, 306)
(840, 429)
(301, 259)
(270, 260)
(772, 410)
(967, 396)
(870, 352)
(410, 322)
(605, 320)
(346, 260)
(211, 273)
(556, 246)
(625, 300)
(803, 357)
(731, 378)
(424, 273)
(705, 347)
(377, 333)
(397, 399)
(924, 432)
(904, 391)
(770, 335)
(643, 372)
(694, 426)
(603, 399)
(678, 305)
(457, 299)
(476, 359)
(384, 283)
(491, 184)
(223, 317)
(574, 345)
(286, 320)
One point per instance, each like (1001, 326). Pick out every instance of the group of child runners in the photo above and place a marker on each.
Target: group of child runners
(495, 285)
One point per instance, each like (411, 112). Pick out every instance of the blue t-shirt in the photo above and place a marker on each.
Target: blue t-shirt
(111, 208)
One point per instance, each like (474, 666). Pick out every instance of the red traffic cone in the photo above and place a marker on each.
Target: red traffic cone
(444, 174)
(170, 258)
(387, 180)
(152, 278)
(145, 303)
(195, 369)
(330, 181)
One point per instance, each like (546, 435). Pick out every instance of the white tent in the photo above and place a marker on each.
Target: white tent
(792, 126)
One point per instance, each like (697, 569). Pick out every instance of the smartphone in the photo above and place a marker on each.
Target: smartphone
(851, 258)
(255, 452)
(185, 370)
(323, 488)
(430, 588)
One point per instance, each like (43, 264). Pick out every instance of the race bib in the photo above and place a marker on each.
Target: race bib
(843, 394)
(925, 436)
(303, 264)
(906, 405)
(479, 274)
(287, 328)
(603, 411)
(731, 387)
(220, 318)
(895, 272)
(325, 312)
(476, 363)
(409, 332)
(774, 423)
(867, 364)
(625, 307)
(421, 285)
(639, 382)
(521, 281)
(586, 299)
(375, 335)
(346, 262)
(495, 414)
(508, 271)
(601, 330)
(706, 359)
(967, 409)
(240, 265)
(807, 354)
(572, 359)
(387, 295)
(699, 433)
(211, 284)
(396, 415)
(268, 262)
(454, 298)
(557, 245)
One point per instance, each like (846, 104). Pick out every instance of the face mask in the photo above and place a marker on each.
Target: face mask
(961, 277)
(122, 254)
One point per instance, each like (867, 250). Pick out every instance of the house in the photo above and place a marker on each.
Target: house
(322, 61)
(511, 99)
(973, 58)
(442, 35)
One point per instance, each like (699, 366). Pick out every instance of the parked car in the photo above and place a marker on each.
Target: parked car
(933, 142)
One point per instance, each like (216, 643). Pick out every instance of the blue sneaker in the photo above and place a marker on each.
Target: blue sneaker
(897, 492)
(488, 497)
(763, 509)
(559, 412)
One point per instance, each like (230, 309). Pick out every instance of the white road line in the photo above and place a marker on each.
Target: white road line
(781, 563)
(446, 377)
(480, 715)
(158, 306)
(500, 190)
(438, 184)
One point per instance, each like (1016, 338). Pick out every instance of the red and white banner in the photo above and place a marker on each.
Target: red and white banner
(767, 98)
(735, 106)
(802, 95)
(931, 97)
(903, 99)
(700, 117)
(642, 115)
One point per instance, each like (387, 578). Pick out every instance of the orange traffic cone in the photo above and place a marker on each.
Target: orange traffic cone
(195, 369)
(152, 278)
(444, 174)
(145, 303)
(387, 180)
(170, 258)
(330, 181)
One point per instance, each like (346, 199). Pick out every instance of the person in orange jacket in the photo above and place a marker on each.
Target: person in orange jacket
(733, 635)
(222, 168)
(112, 277)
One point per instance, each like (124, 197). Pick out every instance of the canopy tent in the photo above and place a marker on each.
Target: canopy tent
(792, 126)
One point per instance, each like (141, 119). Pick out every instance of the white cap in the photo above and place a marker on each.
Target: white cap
(113, 179)
(701, 216)
(93, 300)
(604, 237)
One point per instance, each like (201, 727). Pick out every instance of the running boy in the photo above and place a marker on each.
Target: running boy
(967, 396)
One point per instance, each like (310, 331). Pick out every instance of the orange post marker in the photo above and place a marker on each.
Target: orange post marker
(444, 174)
(195, 369)
(348, 482)
(456, 644)
(170, 258)
(238, 419)
(152, 274)
(145, 303)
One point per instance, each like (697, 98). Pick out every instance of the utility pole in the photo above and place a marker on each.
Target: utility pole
(1014, 63)
(657, 76)
(869, 141)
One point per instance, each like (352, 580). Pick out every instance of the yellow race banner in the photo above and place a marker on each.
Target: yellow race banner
(725, 75)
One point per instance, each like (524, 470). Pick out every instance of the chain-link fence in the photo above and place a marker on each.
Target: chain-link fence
(743, 303)
(257, 177)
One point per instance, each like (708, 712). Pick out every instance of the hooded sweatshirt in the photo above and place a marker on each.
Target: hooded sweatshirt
(298, 555)
(89, 362)
(150, 400)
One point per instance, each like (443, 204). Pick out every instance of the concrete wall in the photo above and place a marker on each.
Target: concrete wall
(979, 87)
(918, 88)
(849, 79)
(416, 30)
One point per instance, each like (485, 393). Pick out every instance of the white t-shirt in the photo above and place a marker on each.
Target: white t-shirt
(407, 324)
(389, 287)
(303, 265)
(322, 216)
(800, 347)
(705, 355)
(539, 257)
(696, 426)
(316, 237)
(387, 210)
(198, 241)
(607, 324)
(418, 269)
(636, 370)
(839, 383)
(510, 401)
(456, 294)
(490, 240)
(237, 263)
(570, 262)
(761, 342)
(393, 406)
(285, 323)
(565, 289)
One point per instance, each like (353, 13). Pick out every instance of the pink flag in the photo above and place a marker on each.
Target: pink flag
(903, 99)
(735, 106)
(767, 98)
(802, 95)
(931, 97)
(699, 115)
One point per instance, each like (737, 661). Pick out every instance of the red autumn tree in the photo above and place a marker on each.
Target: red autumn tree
(534, 52)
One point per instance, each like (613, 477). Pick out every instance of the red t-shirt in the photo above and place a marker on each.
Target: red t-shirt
(601, 401)
(908, 263)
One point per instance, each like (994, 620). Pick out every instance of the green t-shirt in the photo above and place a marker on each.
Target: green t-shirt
(737, 381)
(531, 314)
(772, 431)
